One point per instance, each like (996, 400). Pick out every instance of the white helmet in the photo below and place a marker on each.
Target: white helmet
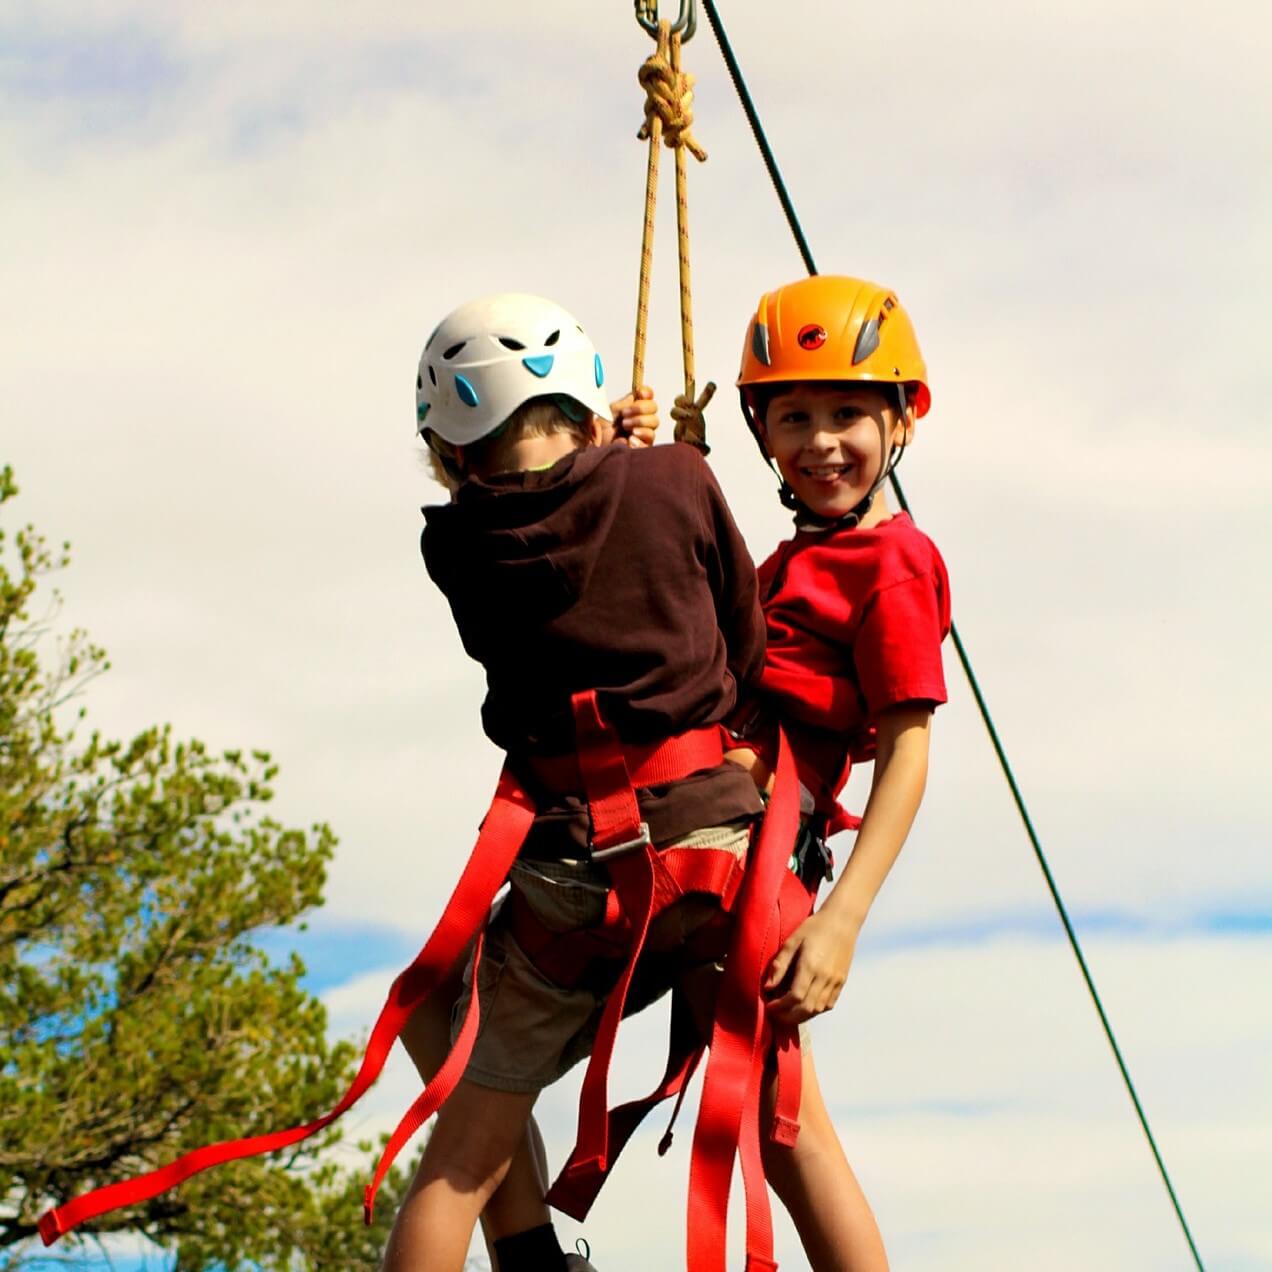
(488, 357)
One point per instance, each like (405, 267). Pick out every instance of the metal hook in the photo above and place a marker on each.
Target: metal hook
(685, 25)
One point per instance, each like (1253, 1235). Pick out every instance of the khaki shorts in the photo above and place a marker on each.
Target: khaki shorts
(532, 1030)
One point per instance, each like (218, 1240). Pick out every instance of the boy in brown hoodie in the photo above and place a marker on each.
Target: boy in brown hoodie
(572, 563)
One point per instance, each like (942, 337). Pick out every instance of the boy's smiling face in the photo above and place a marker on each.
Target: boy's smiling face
(830, 441)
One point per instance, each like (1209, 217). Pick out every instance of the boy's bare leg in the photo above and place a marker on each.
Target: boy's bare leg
(517, 1204)
(821, 1194)
(538, 1153)
(465, 1160)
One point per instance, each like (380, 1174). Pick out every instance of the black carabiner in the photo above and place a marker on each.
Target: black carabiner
(685, 25)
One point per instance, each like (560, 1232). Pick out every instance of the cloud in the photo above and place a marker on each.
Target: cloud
(982, 1110)
(231, 227)
(209, 345)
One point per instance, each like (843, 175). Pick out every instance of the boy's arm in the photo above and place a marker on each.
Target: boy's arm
(816, 957)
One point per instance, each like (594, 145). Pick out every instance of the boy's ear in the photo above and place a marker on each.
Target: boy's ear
(600, 430)
(910, 416)
(904, 426)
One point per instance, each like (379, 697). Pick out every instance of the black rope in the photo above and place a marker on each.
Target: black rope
(770, 163)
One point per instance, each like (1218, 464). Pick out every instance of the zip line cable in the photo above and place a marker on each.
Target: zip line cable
(770, 163)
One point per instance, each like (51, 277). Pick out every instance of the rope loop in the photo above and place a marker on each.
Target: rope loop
(668, 118)
(669, 96)
(691, 425)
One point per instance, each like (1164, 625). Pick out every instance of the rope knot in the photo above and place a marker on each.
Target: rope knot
(691, 425)
(669, 98)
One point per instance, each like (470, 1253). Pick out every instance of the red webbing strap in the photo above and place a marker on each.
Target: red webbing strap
(795, 904)
(759, 1217)
(676, 758)
(675, 872)
(564, 957)
(739, 1025)
(716, 872)
(633, 879)
(606, 781)
(790, 1077)
(435, 1093)
(648, 763)
(781, 1041)
(574, 1192)
(502, 833)
(615, 817)
(842, 819)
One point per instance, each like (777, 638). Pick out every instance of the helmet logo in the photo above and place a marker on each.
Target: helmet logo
(811, 337)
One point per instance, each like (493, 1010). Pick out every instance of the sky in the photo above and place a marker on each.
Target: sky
(226, 232)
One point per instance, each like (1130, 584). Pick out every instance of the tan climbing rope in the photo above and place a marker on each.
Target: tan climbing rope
(668, 121)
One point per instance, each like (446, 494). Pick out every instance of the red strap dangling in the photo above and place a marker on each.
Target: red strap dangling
(737, 1042)
(502, 833)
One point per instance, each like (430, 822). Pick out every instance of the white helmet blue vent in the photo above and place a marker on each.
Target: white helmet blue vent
(490, 356)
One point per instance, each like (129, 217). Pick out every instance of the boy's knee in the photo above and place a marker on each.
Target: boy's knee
(473, 1168)
(472, 1149)
(780, 1168)
(785, 1167)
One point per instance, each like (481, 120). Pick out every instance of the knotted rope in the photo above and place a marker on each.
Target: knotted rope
(668, 121)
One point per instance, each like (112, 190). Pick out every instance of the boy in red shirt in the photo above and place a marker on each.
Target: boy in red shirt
(857, 605)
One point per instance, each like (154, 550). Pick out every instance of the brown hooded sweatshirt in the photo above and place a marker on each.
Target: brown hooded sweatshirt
(616, 570)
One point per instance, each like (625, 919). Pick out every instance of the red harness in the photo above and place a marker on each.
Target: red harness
(767, 902)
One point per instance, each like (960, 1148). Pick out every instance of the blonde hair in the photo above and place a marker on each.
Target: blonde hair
(436, 465)
(539, 417)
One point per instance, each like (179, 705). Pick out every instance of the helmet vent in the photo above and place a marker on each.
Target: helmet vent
(760, 343)
(509, 343)
(448, 354)
(432, 375)
(419, 383)
(552, 339)
(467, 394)
(867, 341)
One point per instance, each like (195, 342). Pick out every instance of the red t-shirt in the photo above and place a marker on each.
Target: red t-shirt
(855, 623)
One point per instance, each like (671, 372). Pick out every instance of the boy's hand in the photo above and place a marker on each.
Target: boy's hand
(636, 418)
(811, 967)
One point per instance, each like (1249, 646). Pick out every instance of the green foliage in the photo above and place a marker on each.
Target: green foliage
(137, 1018)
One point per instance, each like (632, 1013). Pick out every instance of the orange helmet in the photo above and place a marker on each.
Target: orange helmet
(833, 328)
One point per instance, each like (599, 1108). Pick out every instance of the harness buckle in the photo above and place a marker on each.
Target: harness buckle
(642, 840)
